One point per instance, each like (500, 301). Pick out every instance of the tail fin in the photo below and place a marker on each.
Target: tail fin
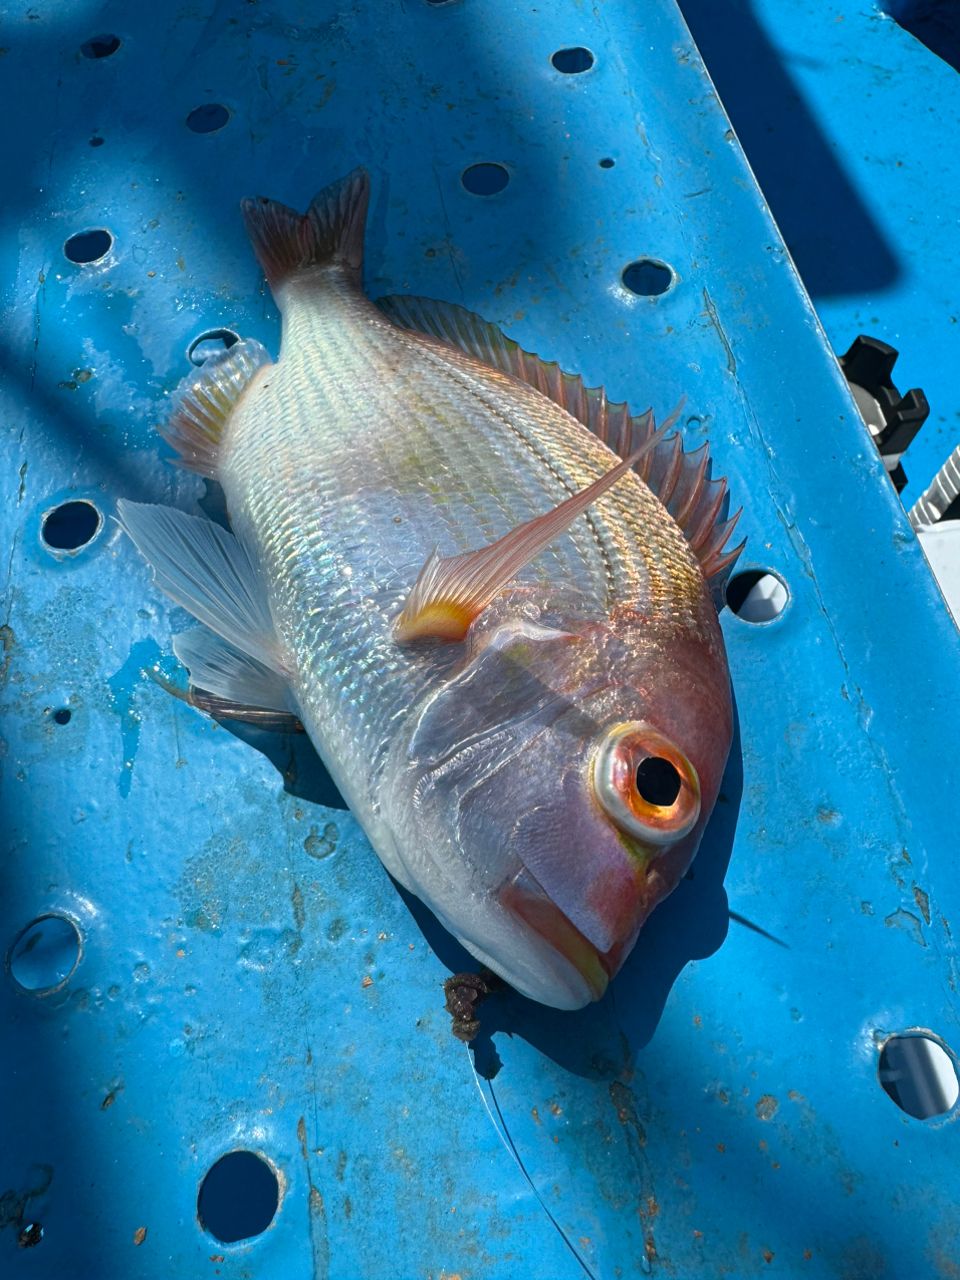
(331, 231)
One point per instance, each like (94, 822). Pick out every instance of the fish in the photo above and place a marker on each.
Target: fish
(487, 593)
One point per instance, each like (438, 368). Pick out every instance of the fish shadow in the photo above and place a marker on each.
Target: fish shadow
(602, 1040)
(294, 757)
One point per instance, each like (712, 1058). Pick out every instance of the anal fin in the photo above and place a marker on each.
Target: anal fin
(220, 668)
(224, 682)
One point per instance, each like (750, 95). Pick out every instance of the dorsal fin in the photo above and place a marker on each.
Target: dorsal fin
(681, 480)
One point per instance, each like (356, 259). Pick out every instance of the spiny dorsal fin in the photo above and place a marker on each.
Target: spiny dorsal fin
(681, 480)
(204, 402)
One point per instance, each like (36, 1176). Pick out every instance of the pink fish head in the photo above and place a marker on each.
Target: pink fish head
(563, 779)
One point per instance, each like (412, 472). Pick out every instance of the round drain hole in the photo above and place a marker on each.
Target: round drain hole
(919, 1075)
(485, 179)
(87, 247)
(45, 954)
(70, 526)
(211, 343)
(757, 595)
(647, 277)
(573, 62)
(238, 1197)
(100, 46)
(208, 118)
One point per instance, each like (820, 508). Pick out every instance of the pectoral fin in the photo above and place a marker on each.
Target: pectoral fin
(207, 571)
(452, 591)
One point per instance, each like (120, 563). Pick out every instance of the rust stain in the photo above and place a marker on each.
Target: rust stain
(321, 845)
(536, 1115)
(794, 1096)
(7, 641)
(217, 1257)
(907, 921)
(721, 1147)
(30, 1236)
(140, 1235)
(767, 1107)
(768, 1256)
(652, 1207)
(626, 1109)
(556, 1109)
(316, 1201)
(299, 914)
(697, 1235)
(366, 981)
(807, 1255)
(302, 1136)
(923, 902)
(946, 1266)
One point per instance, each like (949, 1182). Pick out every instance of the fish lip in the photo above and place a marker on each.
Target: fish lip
(524, 897)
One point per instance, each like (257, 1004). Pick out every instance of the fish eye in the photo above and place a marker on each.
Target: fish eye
(658, 781)
(646, 784)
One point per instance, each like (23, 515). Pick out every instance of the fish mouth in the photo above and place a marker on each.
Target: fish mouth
(525, 897)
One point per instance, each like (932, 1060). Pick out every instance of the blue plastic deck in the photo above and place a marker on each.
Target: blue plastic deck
(719, 1113)
(849, 121)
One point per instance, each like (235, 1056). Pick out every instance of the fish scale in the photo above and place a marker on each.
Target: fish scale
(492, 481)
(483, 617)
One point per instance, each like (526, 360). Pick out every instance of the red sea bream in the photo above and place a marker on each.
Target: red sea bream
(485, 591)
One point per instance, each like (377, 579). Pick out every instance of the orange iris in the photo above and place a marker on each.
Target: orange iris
(646, 784)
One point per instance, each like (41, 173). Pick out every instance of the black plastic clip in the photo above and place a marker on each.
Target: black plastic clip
(893, 419)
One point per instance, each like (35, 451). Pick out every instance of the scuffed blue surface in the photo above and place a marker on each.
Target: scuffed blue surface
(847, 117)
(719, 1112)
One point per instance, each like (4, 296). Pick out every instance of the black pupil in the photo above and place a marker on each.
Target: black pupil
(658, 782)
